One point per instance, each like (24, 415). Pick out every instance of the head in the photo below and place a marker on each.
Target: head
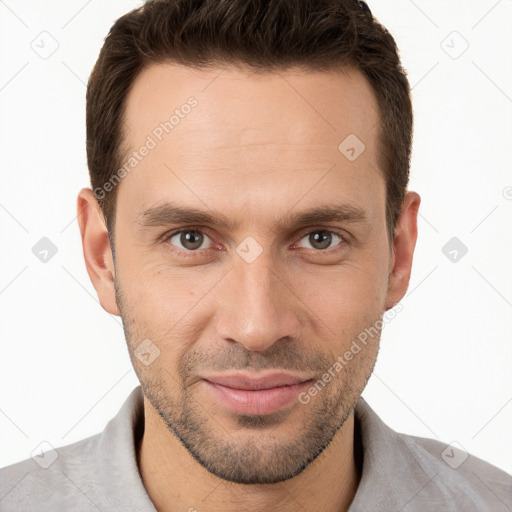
(249, 212)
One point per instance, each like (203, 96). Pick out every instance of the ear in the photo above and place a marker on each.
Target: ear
(404, 243)
(96, 249)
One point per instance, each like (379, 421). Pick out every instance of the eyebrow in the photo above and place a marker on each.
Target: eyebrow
(172, 213)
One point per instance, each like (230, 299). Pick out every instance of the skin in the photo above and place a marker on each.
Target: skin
(255, 148)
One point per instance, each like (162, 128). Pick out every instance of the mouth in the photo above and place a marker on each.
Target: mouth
(267, 393)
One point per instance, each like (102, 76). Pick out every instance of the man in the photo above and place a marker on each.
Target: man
(249, 220)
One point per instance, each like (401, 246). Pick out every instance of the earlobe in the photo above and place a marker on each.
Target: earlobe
(96, 249)
(403, 249)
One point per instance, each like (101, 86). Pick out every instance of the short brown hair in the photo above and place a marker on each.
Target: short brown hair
(262, 35)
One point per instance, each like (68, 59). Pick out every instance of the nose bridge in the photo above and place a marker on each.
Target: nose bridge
(258, 310)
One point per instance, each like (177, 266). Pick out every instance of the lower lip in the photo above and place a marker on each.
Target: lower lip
(263, 401)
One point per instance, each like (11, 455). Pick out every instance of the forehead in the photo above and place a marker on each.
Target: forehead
(230, 133)
(316, 104)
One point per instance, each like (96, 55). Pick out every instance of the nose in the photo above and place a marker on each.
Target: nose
(258, 306)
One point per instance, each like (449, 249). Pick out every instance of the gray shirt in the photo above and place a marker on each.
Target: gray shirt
(400, 472)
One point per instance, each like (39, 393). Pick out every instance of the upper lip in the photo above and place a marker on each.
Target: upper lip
(258, 381)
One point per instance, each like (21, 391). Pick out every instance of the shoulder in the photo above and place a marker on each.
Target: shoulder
(449, 478)
(412, 473)
(96, 473)
(458, 467)
(51, 480)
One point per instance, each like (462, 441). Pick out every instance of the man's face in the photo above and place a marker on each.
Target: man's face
(264, 294)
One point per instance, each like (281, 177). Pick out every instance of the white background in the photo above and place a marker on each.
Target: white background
(444, 369)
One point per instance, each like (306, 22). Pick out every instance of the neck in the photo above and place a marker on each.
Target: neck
(174, 480)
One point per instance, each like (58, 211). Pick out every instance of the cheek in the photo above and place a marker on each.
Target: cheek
(343, 295)
(165, 305)
(156, 288)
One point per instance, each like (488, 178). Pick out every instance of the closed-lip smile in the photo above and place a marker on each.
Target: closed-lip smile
(256, 393)
(259, 381)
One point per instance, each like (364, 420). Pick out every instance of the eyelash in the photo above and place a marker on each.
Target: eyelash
(193, 254)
